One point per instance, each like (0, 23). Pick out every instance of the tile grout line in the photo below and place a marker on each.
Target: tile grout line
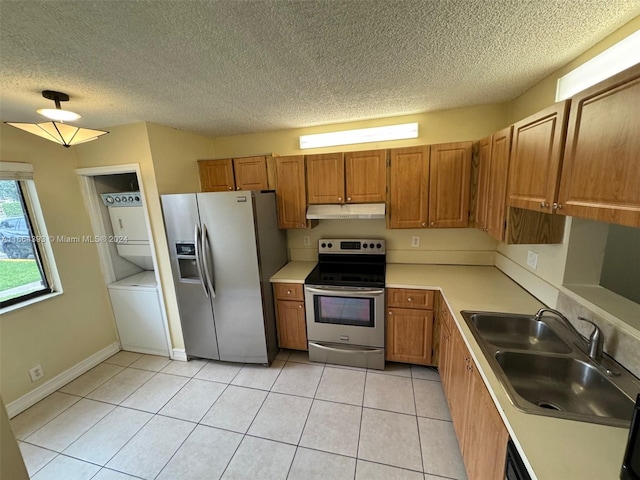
(415, 405)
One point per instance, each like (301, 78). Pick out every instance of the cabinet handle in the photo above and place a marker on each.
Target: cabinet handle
(299, 306)
(557, 206)
(230, 188)
(390, 312)
(339, 199)
(237, 188)
(544, 204)
(408, 299)
(424, 224)
(288, 292)
(432, 223)
(348, 199)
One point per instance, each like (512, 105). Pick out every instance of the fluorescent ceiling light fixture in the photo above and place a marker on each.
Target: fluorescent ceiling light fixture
(57, 131)
(362, 135)
(619, 57)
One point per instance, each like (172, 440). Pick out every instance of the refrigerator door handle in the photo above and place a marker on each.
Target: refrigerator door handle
(196, 234)
(206, 250)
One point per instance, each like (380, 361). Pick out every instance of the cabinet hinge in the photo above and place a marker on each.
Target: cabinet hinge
(388, 162)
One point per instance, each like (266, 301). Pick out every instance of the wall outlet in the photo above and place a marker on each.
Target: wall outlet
(532, 259)
(306, 240)
(415, 241)
(36, 373)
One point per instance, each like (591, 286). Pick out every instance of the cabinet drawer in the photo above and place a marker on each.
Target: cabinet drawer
(410, 298)
(289, 291)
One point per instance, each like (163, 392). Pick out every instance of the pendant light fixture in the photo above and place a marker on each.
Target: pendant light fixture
(56, 130)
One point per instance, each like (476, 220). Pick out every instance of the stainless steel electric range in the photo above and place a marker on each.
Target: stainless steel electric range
(344, 296)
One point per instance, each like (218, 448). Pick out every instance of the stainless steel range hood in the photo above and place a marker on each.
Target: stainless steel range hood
(333, 212)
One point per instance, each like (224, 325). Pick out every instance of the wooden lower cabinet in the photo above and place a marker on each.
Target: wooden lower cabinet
(485, 436)
(290, 316)
(409, 326)
(481, 433)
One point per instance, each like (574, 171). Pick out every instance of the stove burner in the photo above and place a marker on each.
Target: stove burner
(350, 263)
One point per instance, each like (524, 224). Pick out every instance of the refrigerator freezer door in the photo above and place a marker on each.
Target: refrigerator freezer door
(196, 315)
(233, 267)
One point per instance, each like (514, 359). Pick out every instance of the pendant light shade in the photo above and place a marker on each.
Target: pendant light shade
(57, 131)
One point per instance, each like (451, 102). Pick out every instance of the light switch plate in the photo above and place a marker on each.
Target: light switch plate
(415, 241)
(306, 240)
(532, 259)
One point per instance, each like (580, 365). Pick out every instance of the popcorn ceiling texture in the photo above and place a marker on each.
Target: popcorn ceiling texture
(232, 67)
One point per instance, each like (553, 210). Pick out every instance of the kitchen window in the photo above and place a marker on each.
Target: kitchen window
(27, 268)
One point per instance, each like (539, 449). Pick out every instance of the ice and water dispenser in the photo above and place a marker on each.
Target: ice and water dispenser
(187, 264)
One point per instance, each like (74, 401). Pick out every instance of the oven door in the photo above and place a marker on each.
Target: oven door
(345, 315)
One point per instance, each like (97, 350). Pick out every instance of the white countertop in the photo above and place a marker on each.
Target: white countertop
(553, 449)
(293, 272)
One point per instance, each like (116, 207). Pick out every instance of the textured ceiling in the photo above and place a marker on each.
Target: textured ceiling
(231, 67)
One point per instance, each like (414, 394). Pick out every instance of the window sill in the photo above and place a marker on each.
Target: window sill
(31, 301)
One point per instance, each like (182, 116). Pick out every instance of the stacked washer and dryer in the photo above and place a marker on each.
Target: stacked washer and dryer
(135, 299)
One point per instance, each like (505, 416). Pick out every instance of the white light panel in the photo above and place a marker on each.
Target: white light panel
(615, 59)
(362, 135)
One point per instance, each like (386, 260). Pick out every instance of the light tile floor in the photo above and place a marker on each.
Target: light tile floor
(140, 416)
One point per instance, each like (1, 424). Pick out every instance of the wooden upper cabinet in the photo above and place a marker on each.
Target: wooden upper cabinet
(601, 169)
(449, 184)
(497, 183)
(216, 175)
(536, 157)
(408, 187)
(353, 177)
(366, 176)
(290, 192)
(251, 173)
(484, 160)
(325, 178)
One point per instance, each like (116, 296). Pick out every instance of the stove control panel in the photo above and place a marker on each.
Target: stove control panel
(352, 246)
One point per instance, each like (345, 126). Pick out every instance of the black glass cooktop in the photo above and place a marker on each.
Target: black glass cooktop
(347, 274)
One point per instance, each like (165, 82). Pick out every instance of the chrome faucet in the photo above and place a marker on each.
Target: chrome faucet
(596, 339)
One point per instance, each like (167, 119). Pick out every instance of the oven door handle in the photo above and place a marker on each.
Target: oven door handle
(346, 292)
(348, 349)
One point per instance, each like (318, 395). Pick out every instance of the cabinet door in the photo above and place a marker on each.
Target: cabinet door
(449, 184)
(325, 178)
(484, 160)
(290, 192)
(251, 173)
(536, 155)
(458, 385)
(601, 171)
(444, 353)
(216, 175)
(497, 183)
(408, 187)
(291, 324)
(485, 436)
(366, 176)
(409, 335)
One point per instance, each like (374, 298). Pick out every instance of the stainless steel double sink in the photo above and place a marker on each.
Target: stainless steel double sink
(545, 370)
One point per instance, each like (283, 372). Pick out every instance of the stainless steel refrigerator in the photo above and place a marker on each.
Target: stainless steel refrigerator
(224, 247)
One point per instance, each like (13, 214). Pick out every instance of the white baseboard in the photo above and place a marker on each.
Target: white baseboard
(60, 380)
(180, 354)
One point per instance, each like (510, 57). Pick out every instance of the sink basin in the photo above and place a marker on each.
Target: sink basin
(519, 332)
(545, 369)
(566, 385)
